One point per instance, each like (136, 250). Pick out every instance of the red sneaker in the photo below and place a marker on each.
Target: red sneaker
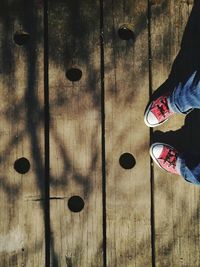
(157, 112)
(166, 157)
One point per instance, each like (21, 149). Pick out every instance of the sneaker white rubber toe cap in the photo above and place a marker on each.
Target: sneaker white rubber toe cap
(156, 150)
(150, 119)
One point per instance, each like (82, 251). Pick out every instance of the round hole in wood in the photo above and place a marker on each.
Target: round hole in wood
(21, 38)
(127, 161)
(74, 74)
(76, 203)
(126, 33)
(22, 165)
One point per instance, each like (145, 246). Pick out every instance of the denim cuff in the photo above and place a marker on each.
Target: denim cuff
(173, 106)
(187, 174)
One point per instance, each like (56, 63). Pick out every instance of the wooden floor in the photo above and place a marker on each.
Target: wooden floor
(77, 186)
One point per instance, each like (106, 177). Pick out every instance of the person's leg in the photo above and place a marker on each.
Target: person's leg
(186, 96)
(190, 168)
(170, 160)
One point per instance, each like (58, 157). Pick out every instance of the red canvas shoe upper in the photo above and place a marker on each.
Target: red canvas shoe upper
(157, 112)
(160, 109)
(167, 158)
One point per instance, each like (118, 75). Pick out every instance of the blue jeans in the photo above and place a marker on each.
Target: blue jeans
(184, 98)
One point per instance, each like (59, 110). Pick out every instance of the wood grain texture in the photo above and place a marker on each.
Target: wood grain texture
(21, 135)
(176, 201)
(126, 94)
(75, 138)
(76, 134)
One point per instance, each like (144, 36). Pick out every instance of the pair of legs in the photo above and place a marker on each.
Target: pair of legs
(184, 98)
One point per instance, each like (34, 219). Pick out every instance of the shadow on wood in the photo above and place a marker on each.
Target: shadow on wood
(187, 61)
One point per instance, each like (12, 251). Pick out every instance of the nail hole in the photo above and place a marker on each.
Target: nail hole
(76, 204)
(125, 33)
(74, 74)
(21, 38)
(127, 161)
(22, 165)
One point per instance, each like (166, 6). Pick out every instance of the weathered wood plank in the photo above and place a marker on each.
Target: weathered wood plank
(21, 134)
(176, 202)
(75, 140)
(126, 94)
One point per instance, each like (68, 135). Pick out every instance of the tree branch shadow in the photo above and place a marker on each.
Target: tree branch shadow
(188, 57)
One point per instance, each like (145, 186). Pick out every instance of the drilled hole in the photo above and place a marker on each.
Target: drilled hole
(22, 165)
(127, 161)
(74, 74)
(126, 33)
(21, 38)
(76, 204)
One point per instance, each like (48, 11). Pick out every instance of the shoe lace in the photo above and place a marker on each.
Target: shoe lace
(163, 106)
(171, 158)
